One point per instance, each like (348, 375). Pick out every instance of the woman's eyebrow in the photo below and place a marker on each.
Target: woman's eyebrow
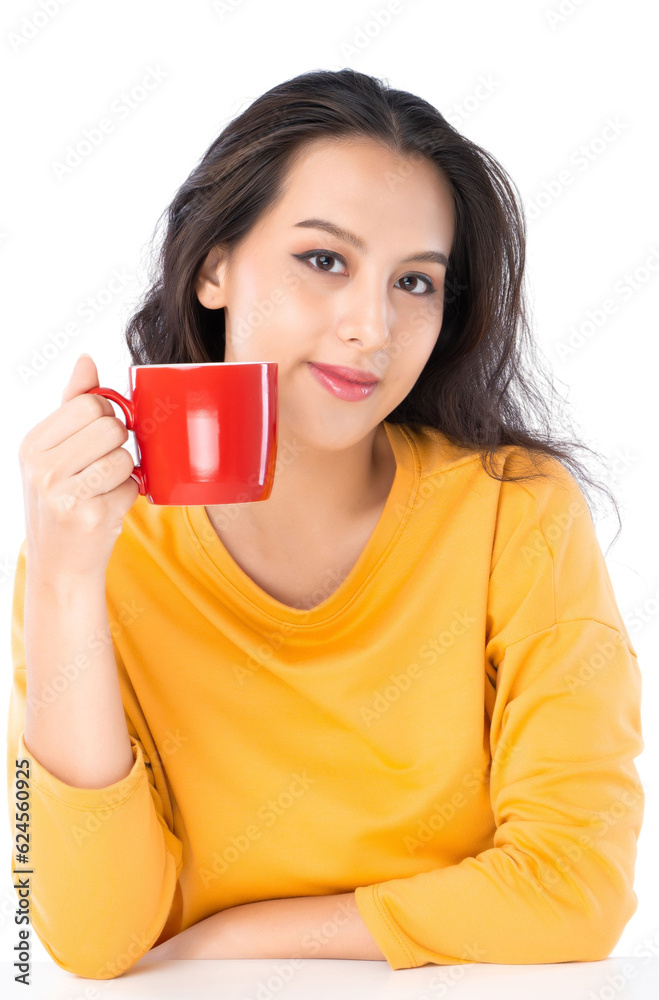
(432, 256)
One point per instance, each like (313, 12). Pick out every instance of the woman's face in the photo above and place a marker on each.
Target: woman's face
(296, 293)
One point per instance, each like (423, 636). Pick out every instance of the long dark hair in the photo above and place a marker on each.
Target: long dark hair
(474, 387)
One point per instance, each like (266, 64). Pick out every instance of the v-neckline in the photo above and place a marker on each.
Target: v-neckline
(247, 592)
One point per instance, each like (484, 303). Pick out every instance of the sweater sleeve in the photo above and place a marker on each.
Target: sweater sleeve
(103, 863)
(563, 695)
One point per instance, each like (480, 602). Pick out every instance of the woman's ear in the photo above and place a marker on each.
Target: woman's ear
(209, 285)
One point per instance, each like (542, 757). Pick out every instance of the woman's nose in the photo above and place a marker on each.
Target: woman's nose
(368, 319)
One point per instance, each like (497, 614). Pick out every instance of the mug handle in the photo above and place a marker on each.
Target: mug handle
(129, 413)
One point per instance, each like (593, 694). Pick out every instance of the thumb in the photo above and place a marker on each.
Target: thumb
(83, 377)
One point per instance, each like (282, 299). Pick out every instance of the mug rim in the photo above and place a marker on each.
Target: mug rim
(203, 364)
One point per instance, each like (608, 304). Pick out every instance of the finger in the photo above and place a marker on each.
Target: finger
(103, 476)
(83, 377)
(67, 420)
(78, 450)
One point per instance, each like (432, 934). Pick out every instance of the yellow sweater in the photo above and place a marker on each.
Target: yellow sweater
(450, 733)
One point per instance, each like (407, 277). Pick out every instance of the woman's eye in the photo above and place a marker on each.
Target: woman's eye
(321, 254)
(418, 277)
(325, 255)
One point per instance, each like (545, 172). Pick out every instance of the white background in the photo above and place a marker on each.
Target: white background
(530, 81)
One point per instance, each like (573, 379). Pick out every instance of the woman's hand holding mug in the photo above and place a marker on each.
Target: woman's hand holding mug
(77, 482)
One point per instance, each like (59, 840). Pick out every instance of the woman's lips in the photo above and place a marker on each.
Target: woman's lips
(347, 374)
(341, 387)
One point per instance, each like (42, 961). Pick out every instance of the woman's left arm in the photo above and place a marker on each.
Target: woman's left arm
(295, 927)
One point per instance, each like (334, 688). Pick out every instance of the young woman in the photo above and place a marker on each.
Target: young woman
(392, 712)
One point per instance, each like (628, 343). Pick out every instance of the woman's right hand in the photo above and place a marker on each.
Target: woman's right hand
(77, 482)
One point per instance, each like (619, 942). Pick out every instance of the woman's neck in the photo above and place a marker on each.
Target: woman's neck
(315, 493)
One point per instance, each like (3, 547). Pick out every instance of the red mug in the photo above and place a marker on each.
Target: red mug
(205, 433)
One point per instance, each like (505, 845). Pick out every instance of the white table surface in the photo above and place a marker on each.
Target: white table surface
(321, 979)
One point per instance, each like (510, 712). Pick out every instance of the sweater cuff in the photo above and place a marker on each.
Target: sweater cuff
(85, 798)
(384, 930)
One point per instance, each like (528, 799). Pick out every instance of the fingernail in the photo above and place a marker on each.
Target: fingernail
(84, 356)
